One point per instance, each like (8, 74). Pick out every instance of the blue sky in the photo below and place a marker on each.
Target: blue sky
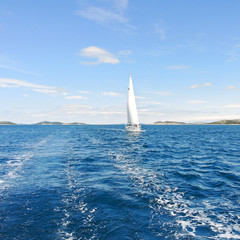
(70, 60)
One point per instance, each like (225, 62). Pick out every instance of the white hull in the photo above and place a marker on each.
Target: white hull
(133, 127)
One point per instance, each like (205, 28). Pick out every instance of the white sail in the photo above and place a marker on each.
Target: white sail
(133, 121)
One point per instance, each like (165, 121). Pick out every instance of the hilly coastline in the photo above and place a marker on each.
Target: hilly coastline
(42, 123)
(7, 123)
(221, 122)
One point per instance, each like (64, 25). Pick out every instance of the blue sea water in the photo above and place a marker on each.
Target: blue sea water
(101, 182)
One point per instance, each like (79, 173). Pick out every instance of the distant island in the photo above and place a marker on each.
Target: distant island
(42, 123)
(169, 123)
(7, 123)
(58, 123)
(228, 122)
(221, 122)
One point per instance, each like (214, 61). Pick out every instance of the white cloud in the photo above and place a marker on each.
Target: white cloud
(161, 93)
(125, 52)
(89, 114)
(100, 15)
(110, 94)
(75, 97)
(100, 54)
(6, 82)
(111, 15)
(84, 92)
(201, 85)
(231, 88)
(196, 101)
(232, 106)
(178, 67)
(16, 69)
(138, 97)
(37, 115)
(155, 103)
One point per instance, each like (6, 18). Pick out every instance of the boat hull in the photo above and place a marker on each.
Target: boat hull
(133, 127)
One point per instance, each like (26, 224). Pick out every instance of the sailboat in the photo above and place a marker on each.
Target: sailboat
(132, 114)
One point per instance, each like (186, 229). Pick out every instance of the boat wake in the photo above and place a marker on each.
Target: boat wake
(172, 212)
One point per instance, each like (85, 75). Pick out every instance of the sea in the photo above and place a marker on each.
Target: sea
(102, 182)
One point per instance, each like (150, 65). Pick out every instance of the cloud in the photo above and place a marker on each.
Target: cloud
(16, 69)
(232, 106)
(155, 103)
(121, 4)
(159, 29)
(109, 15)
(100, 15)
(89, 114)
(84, 92)
(110, 94)
(196, 101)
(231, 88)
(37, 115)
(100, 54)
(161, 93)
(138, 97)
(178, 67)
(125, 52)
(8, 83)
(201, 85)
(75, 97)
(233, 54)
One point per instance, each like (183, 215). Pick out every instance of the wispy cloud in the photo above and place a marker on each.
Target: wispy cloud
(100, 54)
(155, 103)
(232, 106)
(201, 85)
(231, 88)
(161, 93)
(160, 30)
(178, 67)
(233, 54)
(196, 101)
(75, 97)
(110, 94)
(108, 15)
(8, 83)
(84, 92)
(101, 15)
(16, 69)
(90, 114)
(125, 52)
(121, 5)
(138, 97)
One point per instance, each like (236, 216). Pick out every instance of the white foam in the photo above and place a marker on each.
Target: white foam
(187, 215)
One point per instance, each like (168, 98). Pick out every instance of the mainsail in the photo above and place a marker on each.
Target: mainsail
(131, 107)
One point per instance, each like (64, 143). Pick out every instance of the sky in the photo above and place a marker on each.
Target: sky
(70, 60)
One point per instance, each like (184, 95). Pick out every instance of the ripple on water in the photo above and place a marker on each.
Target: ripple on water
(101, 182)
